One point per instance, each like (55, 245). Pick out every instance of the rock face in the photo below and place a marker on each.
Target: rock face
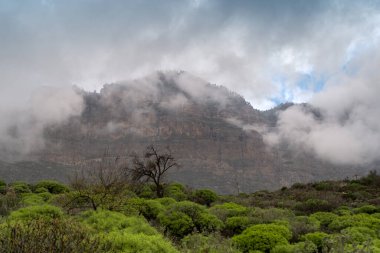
(210, 130)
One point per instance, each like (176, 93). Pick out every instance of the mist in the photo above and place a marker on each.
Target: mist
(323, 53)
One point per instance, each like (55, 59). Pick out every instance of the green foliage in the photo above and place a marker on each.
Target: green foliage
(52, 186)
(138, 243)
(325, 218)
(317, 238)
(149, 208)
(314, 205)
(181, 218)
(301, 225)
(370, 209)
(3, 187)
(166, 201)
(358, 235)
(53, 235)
(177, 223)
(228, 209)
(268, 215)
(36, 212)
(301, 247)
(9, 202)
(20, 187)
(212, 243)
(263, 237)
(32, 199)
(235, 225)
(357, 220)
(107, 221)
(205, 197)
(175, 191)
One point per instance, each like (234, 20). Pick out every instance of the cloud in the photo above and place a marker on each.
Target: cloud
(243, 45)
(347, 129)
(22, 130)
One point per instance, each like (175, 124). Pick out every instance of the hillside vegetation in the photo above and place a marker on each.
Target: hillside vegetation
(328, 216)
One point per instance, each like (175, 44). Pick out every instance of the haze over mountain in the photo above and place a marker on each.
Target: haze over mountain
(219, 139)
(321, 55)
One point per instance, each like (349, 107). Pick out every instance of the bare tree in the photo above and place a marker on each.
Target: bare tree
(153, 167)
(100, 183)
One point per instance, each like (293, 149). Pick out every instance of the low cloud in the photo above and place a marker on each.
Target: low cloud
(22, 128)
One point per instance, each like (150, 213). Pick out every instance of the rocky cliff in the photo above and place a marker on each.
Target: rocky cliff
(213, 132)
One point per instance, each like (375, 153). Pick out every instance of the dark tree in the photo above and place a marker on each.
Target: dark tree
(100, 183)
(153, 167)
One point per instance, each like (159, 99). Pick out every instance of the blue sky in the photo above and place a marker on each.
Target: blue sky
(269, 51)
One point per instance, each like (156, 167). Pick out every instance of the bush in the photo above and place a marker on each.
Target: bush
(52, 186)
(263, 237)
(149, 208)
(9, 202)
(3, 187)
(36, 212)
(314, 205)
(357, 220)
(138, 243)
(317, 238)
(53, 235)
(204, 196)
(108, 221)
(358, 235)
(177, 223)
(301, 247)
(301, 225)
(228, 209)
(20, 187)
(32, 199)
(175, 191)
(181, 218)
(235, 225)
(325, 218)
(212, 243)
(370, 209)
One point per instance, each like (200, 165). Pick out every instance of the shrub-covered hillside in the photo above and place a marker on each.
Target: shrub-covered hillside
(329, 216)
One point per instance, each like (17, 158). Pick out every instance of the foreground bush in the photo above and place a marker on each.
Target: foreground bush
(263, 237)
(52, 235)
(212, 243)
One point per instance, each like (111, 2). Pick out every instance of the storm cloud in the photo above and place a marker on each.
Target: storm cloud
(322, 52)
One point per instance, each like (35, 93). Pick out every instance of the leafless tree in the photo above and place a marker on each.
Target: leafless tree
(100, 183)
(153, 167)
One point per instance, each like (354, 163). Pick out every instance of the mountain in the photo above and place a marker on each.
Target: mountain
(214, 134)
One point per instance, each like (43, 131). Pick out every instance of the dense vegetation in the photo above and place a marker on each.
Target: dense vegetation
(329, 216)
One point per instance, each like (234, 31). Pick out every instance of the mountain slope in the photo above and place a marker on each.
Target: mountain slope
(211, 131)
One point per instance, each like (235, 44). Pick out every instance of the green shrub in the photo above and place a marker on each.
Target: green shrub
(204, 196)
(212, 243)
(175, 191)
(166, 201)
(53, 235)
(3, 187)
(317, 238)
(138, 243)
(32, 199)
(325, 218)
(357, 220)
(9, 202)
(149, 208)
(235, 225)
(52, 186)
(108, 221)
(370, 209)
(301, 247)
(268, 215)
(181, 218)
(262, 237)
(20, 187)
(358, 235)
(36, 212)
(228, 209)
(314, 205)
(177, 223)
(301, 225)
